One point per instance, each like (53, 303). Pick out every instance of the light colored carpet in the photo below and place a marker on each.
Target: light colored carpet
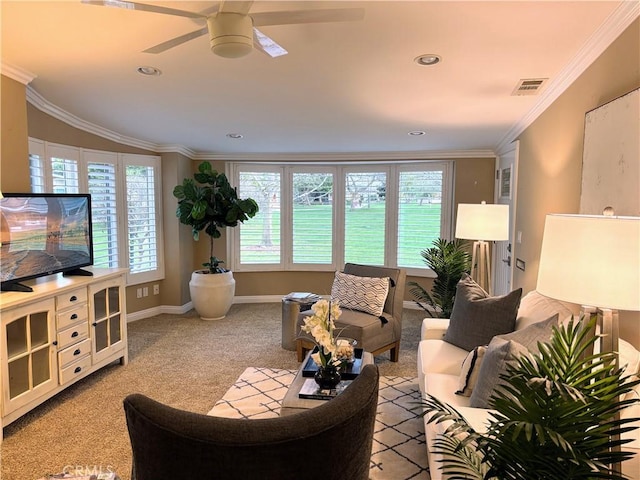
(399, 451)
(179, 360)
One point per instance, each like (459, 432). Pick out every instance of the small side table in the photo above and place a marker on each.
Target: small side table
(291, 306)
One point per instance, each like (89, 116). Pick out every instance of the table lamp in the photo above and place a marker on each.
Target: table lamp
(593, 261)
(483, 223)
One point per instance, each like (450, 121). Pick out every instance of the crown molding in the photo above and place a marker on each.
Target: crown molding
(42, 104)
(16, 73)
(420, 155)
(624, 14)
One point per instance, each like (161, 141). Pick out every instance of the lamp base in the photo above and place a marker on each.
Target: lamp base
(481, 265)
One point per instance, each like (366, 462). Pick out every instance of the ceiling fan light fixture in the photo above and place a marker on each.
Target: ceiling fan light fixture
(231, 34)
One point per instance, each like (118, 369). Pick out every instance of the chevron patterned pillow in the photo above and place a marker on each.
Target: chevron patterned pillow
(366, 294)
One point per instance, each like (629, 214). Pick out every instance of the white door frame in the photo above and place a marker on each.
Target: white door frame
(505, 193)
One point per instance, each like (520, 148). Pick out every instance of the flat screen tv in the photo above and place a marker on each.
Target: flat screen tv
(42, 234)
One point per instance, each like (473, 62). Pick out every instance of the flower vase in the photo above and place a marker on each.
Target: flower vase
(327, 377)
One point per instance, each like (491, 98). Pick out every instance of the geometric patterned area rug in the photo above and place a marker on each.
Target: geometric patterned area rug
(399, 451)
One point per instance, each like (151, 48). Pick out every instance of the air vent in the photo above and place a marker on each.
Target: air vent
(529, 86)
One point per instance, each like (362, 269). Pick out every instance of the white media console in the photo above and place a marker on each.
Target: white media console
(64, 330)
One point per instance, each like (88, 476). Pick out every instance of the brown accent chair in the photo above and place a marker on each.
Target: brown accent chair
(374, 334)
(329, 442)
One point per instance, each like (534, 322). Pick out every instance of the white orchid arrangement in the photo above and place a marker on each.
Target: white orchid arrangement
(321, 326)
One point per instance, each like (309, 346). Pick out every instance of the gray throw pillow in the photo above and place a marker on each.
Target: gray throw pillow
(499, 354)
(477, 317)
(536, 332)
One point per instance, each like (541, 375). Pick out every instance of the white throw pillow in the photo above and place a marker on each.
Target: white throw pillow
(470, 371)
(366, 294)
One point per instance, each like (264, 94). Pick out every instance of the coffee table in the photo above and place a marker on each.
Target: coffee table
(291, 403)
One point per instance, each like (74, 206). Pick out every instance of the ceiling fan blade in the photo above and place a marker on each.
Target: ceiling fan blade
(174, 42)
(267, 45)
(234, 6)
(143, 7)
(262, 19)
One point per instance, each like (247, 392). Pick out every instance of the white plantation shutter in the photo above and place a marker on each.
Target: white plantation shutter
(365, 217)
(259, 239)
(102, 185)
(65, 165)
(142, 174)
(312, 200)
(37, 170)
(125, 200)
(419, 214)
(372, 213)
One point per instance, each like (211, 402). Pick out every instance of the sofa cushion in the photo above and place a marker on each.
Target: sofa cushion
(366, 294)
(535, 307)
(436, 356)
(477, 317)
(536, 332)
(500, 353)
(470, 371)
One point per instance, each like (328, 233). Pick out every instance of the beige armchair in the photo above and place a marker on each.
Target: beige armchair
(374, 334)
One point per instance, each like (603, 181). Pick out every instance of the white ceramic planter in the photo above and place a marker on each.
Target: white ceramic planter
(212, 294)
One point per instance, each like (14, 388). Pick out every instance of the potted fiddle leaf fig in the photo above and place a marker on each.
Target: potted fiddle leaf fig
(449, 260)
(209, 203)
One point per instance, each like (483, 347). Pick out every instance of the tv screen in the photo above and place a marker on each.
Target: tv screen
(42, 234)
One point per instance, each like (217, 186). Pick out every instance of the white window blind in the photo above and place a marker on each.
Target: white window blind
(365, 217)
(142, 216)
(419, 214)
(102, 185)
(312, 201)
(125, 199)
(377, 214)
(259, 237)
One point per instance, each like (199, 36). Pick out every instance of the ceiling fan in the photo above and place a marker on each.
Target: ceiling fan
(232, 31)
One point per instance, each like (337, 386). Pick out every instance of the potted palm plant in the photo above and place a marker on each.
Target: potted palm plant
(209, 203)
(449, 260)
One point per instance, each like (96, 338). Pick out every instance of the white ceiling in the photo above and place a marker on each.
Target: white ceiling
(343, 87)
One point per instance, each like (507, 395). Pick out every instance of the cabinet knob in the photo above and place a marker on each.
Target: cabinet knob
(94, 323)
(74, 316)
(77, 352)
(73, 298)
(55, 342)
(74, 334)
(77, 370)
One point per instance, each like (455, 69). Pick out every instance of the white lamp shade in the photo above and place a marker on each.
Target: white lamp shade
(591, 260)
(481, 221)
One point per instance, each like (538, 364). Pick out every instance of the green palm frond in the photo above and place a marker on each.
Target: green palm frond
(449, 260)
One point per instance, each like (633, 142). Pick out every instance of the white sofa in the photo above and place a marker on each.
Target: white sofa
(439, 367)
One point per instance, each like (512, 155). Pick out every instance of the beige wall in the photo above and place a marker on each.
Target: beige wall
(550, 164)
(14, 145)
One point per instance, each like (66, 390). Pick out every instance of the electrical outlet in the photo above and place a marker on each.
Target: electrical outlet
(145, 292)
(139, 293)
(156, 289)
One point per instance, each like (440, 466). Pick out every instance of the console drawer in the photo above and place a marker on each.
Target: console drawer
(74, 297)
(75, 369)
(73, 335)
(71, 316)
(74, 352)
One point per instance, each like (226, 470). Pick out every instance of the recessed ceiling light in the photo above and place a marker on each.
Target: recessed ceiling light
(235, 135)
(417, 133)
(428, 59)
(151, 71)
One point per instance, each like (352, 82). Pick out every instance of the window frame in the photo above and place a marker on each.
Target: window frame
(46, 150)
(339, 169)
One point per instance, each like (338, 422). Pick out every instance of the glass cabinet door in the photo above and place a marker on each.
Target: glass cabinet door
(106, 319)
(28, 344)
